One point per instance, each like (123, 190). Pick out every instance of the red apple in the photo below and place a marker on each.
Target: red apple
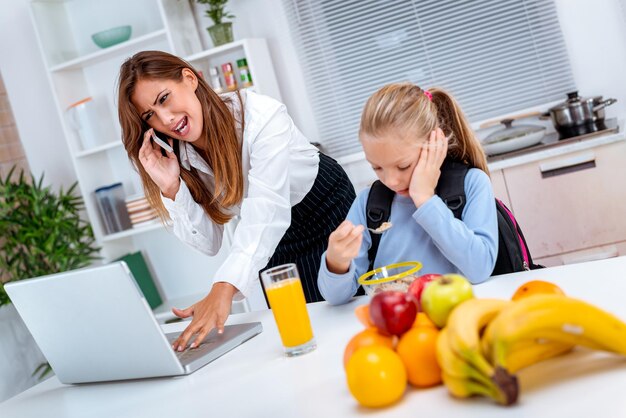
(393, 313)
(417, 287)
(443, 294)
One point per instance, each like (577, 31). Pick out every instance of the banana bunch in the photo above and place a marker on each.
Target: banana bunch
(486, 341)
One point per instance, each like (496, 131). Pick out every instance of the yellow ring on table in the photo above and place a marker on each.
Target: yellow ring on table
(364, 278)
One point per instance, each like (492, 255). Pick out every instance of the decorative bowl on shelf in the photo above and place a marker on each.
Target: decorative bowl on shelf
(113, 36)
(396, 277)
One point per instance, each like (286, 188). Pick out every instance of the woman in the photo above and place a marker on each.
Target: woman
(233, 155)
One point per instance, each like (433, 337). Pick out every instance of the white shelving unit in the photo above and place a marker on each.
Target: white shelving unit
(77, 69)
(259, 63)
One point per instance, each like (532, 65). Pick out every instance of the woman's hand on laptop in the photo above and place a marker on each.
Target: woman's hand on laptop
(211, 312)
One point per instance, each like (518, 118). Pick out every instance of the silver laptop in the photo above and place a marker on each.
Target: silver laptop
(94, 325)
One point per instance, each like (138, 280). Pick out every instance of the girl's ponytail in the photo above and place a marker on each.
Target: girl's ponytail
(463, 144)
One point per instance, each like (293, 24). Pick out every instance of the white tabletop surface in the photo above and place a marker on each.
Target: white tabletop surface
(256, 380)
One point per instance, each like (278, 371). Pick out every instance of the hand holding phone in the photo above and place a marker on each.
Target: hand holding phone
(163, 169)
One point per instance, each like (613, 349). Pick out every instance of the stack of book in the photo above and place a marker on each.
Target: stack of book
(140, 211)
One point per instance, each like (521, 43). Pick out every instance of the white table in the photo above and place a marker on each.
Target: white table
(256, 380)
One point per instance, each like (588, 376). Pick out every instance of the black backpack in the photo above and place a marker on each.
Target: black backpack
(513, 253)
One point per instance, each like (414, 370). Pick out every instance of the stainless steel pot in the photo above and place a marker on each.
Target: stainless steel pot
(578, 113)
(573, 112)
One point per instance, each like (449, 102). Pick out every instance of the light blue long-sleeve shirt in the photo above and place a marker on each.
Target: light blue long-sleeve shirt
(429, 234)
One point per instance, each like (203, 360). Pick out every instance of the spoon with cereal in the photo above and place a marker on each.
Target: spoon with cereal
(382, 228)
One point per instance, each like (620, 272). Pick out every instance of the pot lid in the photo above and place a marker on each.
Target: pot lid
(512, 132)
(574, 100)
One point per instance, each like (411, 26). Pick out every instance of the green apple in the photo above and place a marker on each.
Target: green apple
(444, 293)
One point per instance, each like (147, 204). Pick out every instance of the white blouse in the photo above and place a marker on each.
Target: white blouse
(279, 168)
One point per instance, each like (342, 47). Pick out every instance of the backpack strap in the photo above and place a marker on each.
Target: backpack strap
(531, 263)
(377, 210)
(451, 185)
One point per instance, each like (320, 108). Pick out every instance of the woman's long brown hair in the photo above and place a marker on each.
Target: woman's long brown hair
(220, 133)
(404, 108)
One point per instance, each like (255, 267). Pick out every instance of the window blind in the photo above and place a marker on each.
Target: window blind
(494, 56)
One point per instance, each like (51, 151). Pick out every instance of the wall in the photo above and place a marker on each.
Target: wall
(30, 95)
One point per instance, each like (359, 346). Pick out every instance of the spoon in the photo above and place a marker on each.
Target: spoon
(382, 228)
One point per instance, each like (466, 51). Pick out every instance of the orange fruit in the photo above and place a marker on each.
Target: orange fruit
(376, 376)
(362, 313)
(535, 287)
(366, 338)
(418, 350)
(422, 320)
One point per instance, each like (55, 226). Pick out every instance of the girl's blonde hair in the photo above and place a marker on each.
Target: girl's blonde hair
(219, 132)
(405, 108)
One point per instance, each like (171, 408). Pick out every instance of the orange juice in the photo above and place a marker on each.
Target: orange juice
(289, 307)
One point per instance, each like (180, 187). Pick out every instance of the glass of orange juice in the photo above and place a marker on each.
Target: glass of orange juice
(284, 292)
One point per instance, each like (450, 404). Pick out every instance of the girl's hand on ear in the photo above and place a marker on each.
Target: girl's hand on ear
(343, 246)
(164, 171)
(428, 168)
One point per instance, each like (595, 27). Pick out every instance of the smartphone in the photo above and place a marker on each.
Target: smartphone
(162, 143)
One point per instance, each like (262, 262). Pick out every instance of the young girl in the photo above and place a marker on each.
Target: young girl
(406, 134)
(239, 155)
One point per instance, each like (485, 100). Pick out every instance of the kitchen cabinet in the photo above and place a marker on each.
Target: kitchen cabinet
(571, 206)
(78, 69)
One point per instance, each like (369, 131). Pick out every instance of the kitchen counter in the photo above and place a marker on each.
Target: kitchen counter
(552, 147)
(257, 380)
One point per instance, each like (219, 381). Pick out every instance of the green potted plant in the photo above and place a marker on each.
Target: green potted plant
(221, 32)
(41, 232)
